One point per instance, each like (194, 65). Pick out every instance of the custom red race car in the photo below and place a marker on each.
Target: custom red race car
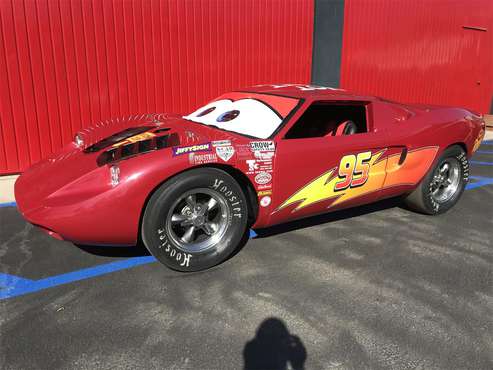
(191, 186)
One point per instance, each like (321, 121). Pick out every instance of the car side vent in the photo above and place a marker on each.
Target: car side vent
(133, 149)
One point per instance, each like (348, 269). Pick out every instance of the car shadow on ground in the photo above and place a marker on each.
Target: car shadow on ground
(115, 251)
(330, 217)
(140, 250)
(274, 347)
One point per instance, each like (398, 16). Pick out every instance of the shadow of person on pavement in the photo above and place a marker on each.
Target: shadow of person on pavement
(274, 348)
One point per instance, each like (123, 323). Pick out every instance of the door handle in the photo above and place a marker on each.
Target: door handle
(403, 156)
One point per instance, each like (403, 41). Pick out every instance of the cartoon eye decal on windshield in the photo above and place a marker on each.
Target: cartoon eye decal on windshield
(206, 111)
(228, 116)
(244, 116)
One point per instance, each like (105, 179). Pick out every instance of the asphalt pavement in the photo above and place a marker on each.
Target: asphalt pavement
(375, 287)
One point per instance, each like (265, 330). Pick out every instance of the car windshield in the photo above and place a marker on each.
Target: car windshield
(251, 114)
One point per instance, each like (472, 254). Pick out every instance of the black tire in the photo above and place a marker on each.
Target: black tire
(422, 199)
(162, 236)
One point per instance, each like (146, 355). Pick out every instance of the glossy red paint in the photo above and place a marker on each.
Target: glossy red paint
(65, 65)
(420, 51)
(71, 195)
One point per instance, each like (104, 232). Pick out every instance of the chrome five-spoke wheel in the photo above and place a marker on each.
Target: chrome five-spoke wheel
(197, 220)
(446, 180)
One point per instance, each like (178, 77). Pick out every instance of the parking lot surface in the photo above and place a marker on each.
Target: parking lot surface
(376, 287)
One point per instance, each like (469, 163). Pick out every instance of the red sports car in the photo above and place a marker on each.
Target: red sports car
(191, 186)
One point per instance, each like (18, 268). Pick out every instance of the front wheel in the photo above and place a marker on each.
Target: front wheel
(443, 185)
(195, 220)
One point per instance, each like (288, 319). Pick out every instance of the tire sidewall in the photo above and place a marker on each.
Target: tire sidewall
(433, 206)
(154, 232)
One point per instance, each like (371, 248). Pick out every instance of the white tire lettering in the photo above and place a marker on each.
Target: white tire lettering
(217, 183)
(221, 187)
(186, 259)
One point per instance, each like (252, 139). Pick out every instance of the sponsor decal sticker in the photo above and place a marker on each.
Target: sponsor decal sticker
(252, 165)
(264, 192)
(263, 178)
(243, 150)
(304, 87)
(201, 158)
(221, 143)
(179, 150)
(256, 166)
(263, 156)
(265, 201)
(262, 146)
(225, 152)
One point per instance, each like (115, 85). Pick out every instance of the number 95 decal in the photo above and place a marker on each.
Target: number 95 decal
(353, 171)
(360, 174)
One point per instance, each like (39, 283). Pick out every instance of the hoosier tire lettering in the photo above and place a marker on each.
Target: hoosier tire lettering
(183, 258)
(221, 187)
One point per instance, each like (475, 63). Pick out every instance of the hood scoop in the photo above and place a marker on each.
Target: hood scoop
(135, 144)
(120, 139)
(117, 138)
(101, 130)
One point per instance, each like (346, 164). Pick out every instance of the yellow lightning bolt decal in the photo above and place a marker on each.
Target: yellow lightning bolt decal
(323, 187)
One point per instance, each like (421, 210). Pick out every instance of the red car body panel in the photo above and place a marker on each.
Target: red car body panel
(71, 195)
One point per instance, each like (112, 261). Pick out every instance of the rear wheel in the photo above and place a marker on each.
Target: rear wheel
(195, 220)
(443, 185)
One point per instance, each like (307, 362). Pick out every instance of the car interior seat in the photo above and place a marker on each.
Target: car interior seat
(347, 127)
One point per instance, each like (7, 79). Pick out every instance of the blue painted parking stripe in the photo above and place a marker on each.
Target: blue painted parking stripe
(484, 151)
(9, 282)
(15, 286)
(52, 281)
(481, 163)
(8, 204)
(479, 182)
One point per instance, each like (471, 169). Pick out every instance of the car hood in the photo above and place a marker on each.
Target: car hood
(79, 167)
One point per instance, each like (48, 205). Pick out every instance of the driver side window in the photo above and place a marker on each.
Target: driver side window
(329, 119)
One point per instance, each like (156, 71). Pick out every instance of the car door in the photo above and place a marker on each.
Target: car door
(321, 170)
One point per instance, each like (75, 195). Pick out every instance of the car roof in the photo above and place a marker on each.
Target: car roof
(306, 91)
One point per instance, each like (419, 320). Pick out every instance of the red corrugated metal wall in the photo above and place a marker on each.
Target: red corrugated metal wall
(65, 64)
(418, 51)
